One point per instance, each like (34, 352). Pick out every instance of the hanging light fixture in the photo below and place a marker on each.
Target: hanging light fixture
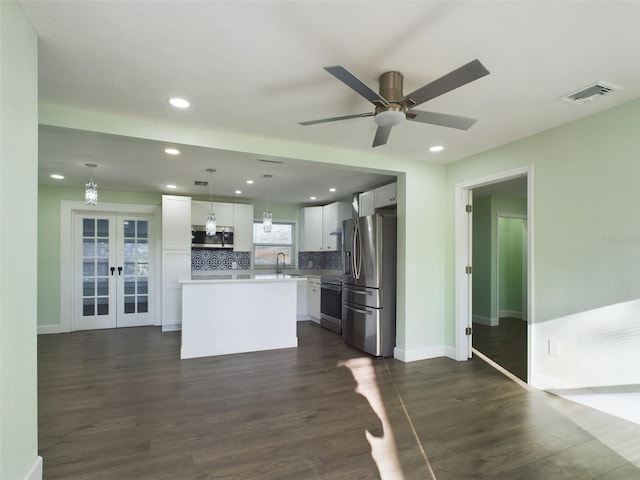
(91, 188)
(267, 216)
(210, 224)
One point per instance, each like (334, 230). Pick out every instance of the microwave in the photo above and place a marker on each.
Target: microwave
(223, 238)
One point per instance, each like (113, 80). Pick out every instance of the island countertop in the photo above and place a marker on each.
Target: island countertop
(224, 276)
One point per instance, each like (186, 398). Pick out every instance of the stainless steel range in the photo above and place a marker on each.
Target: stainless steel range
(331, 303)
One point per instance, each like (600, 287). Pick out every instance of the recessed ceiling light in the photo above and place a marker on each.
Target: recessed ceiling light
(172, 151)
(436, 148)
(171, 186)
(312, 198)
(249, 182)
(57, 176)
(179, 102)
(238, 192)
(332, 189)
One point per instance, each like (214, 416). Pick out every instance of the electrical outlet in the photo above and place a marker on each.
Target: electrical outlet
(553, 347)
(310, 264)
(234, 265)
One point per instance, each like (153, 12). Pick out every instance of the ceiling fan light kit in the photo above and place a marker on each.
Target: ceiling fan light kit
(392, 107)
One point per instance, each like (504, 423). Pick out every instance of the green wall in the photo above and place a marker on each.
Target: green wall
(482, 261)
(18, 207)
(586, 227)
(49, 198)
(511, 249)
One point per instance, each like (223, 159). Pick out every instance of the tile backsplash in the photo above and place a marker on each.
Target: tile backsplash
(320, 260)
(223, 259)
(219, 259)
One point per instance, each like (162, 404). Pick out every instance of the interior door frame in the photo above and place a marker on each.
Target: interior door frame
(68, 209)
(463, 239)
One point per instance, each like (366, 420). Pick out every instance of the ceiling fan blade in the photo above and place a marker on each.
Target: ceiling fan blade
(452, 80)
(453, 121)
(335, 119)
(382, 135)
(348, 78)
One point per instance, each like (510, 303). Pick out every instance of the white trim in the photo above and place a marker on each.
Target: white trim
(67, 210)
(462, 234)
(172, 328)
(510, 313)
(35, 472)
(489, 322)
(424, 353)
(48, 329)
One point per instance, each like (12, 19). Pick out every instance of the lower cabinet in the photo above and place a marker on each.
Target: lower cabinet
(302, 311)
(313, 298)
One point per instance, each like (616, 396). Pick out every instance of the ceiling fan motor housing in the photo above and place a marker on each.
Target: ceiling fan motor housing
(391, 90)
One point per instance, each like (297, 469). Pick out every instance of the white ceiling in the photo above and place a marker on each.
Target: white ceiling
(255, 68)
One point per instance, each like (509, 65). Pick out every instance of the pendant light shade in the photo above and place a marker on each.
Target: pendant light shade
(210, 223)
(267, 216)
(91, 188)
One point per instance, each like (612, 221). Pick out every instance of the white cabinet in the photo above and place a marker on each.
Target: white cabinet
(176, 256)
(380, 197)
(302, 312)
(242, 227)
(176, 229)
(224, 213)
(311, 229)
(313, 298)
(332, 217)
(386, 195)
(319, 223)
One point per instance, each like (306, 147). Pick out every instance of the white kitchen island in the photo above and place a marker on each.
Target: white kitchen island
(237, 312)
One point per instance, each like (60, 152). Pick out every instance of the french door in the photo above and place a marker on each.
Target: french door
(113, 271)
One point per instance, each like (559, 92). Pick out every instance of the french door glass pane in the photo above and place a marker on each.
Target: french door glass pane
(136, 266)
(95, 267)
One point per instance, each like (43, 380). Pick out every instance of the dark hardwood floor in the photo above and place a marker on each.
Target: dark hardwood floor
(120, 404)
(505, 344)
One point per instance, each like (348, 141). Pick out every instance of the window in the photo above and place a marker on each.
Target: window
(266, 246)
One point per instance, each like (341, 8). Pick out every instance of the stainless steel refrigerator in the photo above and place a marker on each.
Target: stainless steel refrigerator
(369, 284)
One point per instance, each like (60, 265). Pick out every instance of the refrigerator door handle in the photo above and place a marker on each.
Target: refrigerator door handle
(357, 310)
(357, 251)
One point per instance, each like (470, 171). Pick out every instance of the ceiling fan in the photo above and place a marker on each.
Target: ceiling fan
(392, 107)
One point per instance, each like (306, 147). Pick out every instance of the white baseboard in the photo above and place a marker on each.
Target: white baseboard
(35, 472)
(424, 353)
(171, 328)
(489, 322)
(48, 329)
(511, 314)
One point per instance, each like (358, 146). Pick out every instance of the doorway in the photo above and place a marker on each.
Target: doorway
(112, 265)
(493, 298)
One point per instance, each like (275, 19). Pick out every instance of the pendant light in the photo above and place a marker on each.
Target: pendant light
(267, 216)
(91, 188)
(210, 224)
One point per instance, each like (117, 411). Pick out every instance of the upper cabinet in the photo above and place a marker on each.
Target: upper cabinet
(242, 227)
(176, 229)
(380, 197)
(224, 213)
(311, 229)
(320, 226)
(332, 218)
(367, 203)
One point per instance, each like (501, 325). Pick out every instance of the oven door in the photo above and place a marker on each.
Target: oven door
(331, 307)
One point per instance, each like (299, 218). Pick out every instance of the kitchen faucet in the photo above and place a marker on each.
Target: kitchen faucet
(284, 258)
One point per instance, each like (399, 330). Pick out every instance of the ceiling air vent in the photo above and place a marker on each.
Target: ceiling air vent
(589, 93)
(200, 183)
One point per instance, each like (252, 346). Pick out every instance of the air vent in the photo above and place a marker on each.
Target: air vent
(200, 183)
(269, 161)
(589, 93)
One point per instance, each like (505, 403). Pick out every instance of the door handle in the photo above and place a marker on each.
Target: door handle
(113, 269)
(119, 271)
